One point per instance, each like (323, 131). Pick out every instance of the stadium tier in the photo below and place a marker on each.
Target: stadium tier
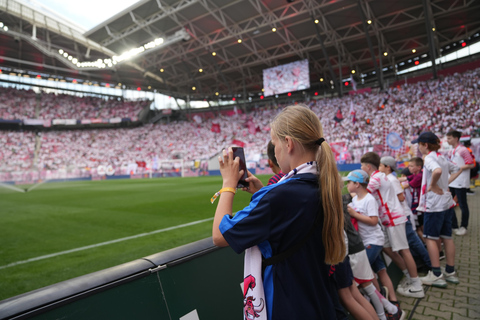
(22, 105)
(352, 124)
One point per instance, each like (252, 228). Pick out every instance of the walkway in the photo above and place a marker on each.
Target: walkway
(461, 301)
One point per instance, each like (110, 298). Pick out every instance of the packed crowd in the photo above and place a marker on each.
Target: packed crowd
(437, 105)
(22, 104)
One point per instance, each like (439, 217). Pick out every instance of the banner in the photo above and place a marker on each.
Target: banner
(115, 120)
(70, 122)
(33, 122)
(59, 122)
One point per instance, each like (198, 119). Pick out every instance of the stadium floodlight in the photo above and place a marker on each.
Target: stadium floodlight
(158, 43)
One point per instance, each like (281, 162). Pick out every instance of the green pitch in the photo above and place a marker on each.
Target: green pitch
(58, 217)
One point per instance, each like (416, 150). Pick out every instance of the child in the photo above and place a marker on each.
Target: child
(437, 204)
(415, 182)
(273, 164)
(393, 220)
(364, 210)
(460, 156)
(388, 166)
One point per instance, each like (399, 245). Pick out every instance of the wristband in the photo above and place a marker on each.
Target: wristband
(215, 196)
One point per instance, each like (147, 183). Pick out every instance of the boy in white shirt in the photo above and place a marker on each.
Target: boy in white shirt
(388, 166)
(393, 220)
(460, 156)
(364, 209)
(437, 204)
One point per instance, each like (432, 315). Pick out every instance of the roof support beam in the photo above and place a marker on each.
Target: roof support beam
(431, 45)
(369, 41)
(327, 58)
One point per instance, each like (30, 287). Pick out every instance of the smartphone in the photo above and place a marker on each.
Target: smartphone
(238, 152)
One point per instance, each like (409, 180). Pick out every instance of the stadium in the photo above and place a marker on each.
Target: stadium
(110, 137)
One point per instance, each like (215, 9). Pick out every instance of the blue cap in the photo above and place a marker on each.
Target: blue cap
(357, 176)
(426, 137)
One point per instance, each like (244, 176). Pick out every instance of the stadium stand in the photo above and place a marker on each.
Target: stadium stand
(436, 105)
(21, 104)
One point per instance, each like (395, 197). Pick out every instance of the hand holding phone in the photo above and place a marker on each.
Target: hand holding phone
(238, 152)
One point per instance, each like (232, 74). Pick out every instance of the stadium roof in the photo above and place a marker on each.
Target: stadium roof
(193, 29)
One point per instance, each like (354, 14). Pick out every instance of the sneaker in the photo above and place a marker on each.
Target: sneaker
(461, 232)
(451, 277)
(404, 282)
(432, 280)
(410, 291)
(470, 192)
(400, 315)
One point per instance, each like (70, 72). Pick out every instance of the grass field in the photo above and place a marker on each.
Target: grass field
(57, 217)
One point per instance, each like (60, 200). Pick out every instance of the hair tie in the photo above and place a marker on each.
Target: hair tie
(319, 141)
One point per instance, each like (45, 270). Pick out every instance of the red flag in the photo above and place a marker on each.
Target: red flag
(238, 143)
(215, 128)
(339, 116)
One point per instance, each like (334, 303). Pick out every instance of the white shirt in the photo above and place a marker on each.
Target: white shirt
(460, 156)
(367, 206)
(398, 189)
(390, 211)
(430, 201)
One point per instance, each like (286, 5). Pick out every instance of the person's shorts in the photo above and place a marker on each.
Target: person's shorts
(438, 224)
(375, 257)
(343, 274)
(362, 272)
(396, 237)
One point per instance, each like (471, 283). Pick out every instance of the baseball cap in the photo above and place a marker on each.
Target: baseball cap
(357, 176)
(389, 161)
(426, 137)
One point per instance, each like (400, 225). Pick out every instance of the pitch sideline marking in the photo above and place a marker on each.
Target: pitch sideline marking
(103, 243)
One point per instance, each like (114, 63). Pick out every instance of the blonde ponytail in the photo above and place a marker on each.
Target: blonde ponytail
(331, 195)
(303, 126)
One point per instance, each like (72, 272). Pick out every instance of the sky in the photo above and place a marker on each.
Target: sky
(85, 13)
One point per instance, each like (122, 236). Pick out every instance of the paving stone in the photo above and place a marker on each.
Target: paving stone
(472, 314)
(437, 313)
(461, 311)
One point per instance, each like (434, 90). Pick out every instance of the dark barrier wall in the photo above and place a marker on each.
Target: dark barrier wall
(195, 281)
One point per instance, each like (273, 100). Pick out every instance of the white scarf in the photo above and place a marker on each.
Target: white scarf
(253, 293)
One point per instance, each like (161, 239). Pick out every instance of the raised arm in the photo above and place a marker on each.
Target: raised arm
(230, 174)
